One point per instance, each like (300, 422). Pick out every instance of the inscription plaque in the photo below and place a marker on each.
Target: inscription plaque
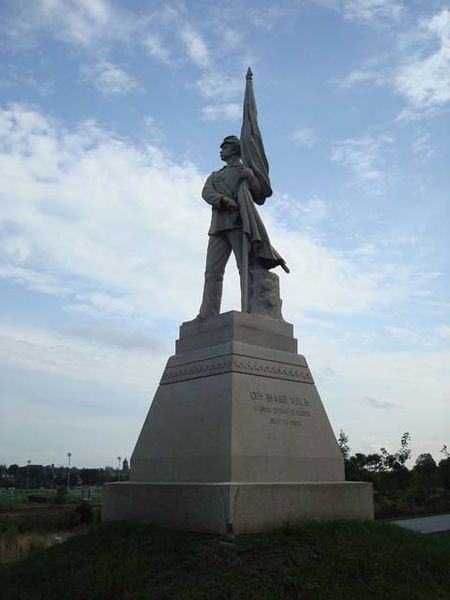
(281, 409)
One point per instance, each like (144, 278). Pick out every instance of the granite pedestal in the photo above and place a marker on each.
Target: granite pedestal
(236, 439)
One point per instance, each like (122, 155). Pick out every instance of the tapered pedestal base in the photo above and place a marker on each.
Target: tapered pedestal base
(237, 438)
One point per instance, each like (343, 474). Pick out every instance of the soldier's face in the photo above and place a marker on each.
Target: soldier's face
(227, 151)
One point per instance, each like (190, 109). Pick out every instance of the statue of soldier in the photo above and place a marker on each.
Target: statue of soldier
(236, 224)
(225, 234)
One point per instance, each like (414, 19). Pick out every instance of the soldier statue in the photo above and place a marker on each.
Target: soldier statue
(236, 225)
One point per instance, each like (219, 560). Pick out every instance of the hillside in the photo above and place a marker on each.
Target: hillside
(332, 561)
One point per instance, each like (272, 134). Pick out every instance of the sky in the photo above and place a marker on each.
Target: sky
(111, 116)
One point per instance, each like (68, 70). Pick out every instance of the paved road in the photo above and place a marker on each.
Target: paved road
(434, 524)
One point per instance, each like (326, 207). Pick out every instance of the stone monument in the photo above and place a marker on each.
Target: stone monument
(237, 439)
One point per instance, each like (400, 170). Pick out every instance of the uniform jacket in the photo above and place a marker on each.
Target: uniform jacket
(225, 183)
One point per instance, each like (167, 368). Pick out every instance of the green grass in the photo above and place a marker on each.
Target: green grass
(330, 561)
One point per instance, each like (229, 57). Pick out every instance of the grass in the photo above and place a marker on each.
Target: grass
(332, 561)
(10, 498)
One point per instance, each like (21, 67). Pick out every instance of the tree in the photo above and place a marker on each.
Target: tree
(425, 469)
(343, 444)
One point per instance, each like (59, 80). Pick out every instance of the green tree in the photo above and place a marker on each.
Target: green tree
(342, 443)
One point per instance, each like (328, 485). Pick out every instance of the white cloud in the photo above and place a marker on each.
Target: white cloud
(120, 222)
(229, 112)
(364, 158)
(80, 22)
(305, 216)
(366, 11)
(153, 130)
(110, 335)
(195, 46)
(304, 137)
(424, 81)
(369, 10)
(380, 404)
(403, 334)
(443, 331)
(359, 76)
(231, 38)
(156, 48)
(109, 78)
(35, 280)
(418, 70)
(422, 145)
(215, 85)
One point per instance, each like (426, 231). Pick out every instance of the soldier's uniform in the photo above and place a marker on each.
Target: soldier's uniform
(225, 233)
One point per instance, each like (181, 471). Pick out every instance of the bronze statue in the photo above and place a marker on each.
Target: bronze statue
(236, 225)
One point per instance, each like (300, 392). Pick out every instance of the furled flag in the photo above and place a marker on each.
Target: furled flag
(254, 156)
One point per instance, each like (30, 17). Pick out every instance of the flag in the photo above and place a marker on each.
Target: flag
(254, 157)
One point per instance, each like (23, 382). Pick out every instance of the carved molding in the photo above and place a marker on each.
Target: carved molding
(238, 364)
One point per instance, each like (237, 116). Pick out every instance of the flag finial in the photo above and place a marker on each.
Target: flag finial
(249, 74)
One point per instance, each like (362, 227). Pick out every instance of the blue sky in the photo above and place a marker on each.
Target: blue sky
(111, 114)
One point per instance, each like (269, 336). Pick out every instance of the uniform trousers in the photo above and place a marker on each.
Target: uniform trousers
(220, 246)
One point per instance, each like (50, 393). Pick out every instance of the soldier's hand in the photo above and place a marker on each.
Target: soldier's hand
(247, 174)
(230, 203)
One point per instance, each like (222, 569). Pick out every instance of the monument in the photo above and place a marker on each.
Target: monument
(237, 439)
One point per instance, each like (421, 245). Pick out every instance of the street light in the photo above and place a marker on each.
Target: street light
(119, 458)
(28, 470)
(69, 454)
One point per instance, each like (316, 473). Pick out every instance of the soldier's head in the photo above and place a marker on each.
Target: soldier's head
(231, 146)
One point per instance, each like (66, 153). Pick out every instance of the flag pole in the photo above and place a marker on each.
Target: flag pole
(245, 241)
(244, 274)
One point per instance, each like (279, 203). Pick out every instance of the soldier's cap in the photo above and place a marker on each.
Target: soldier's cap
(231, 140)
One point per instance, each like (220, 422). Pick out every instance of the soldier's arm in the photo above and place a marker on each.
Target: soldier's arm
(213, 197)
(253, 185)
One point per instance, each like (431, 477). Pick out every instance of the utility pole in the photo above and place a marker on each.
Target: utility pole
(119, 458)
(69, 454)
(28, 472)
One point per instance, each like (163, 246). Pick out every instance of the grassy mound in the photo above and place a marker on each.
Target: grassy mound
(332, 561)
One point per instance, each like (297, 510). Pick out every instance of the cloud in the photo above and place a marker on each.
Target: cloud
(364, 159)
(109, 78)
(231, 38)
(421, 145)
(35, 280)
(229, 112)
(120, 222)
(153, 130)
(305, 216)
(418, 70)
(156, 48)
(80, 22)
(12, 76)
(424, 81)
(403, 334)
(110, 335)
(380, 404)
(195, 46)
(65, 389)
(365, 11)
(443, 331)
(360, 76)
(217, 86)
(369, 10)
(303, 137)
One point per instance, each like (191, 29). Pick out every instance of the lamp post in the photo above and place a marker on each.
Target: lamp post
(69, 454)
(28, 472)
(119, 458)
